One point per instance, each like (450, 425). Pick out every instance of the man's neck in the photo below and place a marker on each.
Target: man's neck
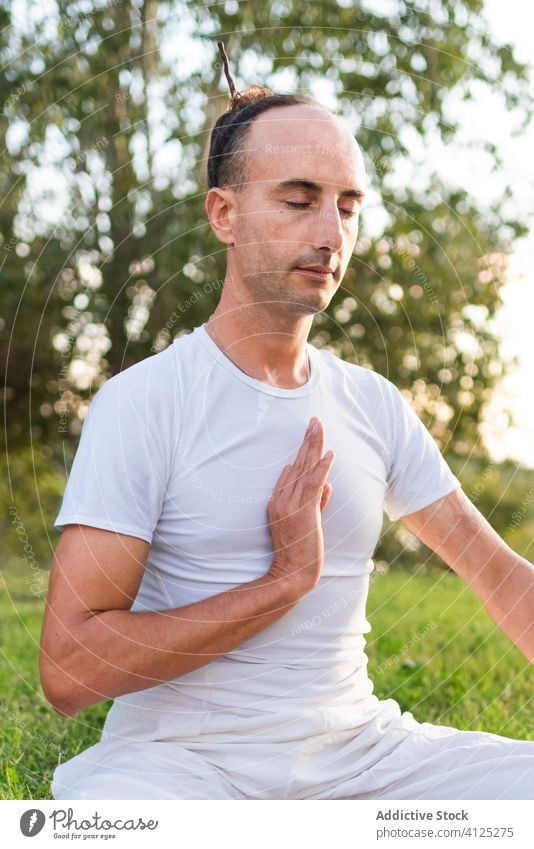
(260, 347)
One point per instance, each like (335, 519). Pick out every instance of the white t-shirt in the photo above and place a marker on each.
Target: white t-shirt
(184, 449)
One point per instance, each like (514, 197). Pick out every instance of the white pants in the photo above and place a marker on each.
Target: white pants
(390, 757)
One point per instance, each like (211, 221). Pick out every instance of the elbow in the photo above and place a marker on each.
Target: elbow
(63, 707)
(67, 676)
(62, 692)
(63, 703)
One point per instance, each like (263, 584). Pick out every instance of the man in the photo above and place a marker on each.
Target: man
(200, 494)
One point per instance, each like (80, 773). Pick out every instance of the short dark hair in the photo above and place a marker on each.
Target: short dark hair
(227, 155)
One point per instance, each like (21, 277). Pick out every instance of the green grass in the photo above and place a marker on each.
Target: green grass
(33, 738)
(433, 648)
(436, 651)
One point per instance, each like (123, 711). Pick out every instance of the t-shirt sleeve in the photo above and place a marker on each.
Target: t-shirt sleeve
(119, 474)
(418, 474)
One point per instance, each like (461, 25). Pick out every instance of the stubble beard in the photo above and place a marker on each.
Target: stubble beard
(276, 290)
(293, 299)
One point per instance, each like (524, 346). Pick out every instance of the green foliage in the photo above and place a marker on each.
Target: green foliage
(504, 493)
(28, 505)
(128, 261)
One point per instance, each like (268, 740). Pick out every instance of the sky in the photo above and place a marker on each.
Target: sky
(513, 21)
(516, 392)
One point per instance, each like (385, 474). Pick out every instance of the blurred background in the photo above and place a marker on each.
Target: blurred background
(106, 256)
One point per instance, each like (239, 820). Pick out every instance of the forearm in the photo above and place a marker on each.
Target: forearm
(503, 580)
(114, 652)
(506, 586)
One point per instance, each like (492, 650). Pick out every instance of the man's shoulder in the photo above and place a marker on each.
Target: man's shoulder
(152, 378)
(363, 377)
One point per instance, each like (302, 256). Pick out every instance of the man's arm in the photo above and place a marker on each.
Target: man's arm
(454, 528)
(93, 647)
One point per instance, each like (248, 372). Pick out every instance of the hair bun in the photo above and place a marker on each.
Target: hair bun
(238, 100)
(241, 99)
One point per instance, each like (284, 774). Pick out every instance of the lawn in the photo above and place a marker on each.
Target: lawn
(433, 648)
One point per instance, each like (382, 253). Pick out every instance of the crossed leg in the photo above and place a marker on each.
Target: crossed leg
(412, 761)
(438, 762)
(148, 770)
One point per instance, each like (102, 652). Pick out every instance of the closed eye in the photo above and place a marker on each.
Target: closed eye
(345, 213)
(297, 205)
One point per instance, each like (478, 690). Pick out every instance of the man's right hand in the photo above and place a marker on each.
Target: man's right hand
(94, 647)
(294, 512)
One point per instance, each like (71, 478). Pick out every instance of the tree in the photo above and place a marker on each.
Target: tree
(102, 93)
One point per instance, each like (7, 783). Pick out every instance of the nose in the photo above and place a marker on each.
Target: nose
(329, 229)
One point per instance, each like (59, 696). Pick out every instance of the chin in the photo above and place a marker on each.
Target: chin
(311, 307)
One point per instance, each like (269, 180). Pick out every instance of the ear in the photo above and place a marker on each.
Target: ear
(220, 209)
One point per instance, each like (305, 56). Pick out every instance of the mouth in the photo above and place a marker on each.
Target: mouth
(317, 273)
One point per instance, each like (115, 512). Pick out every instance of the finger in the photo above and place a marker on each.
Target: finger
(304, 445)
(311, 448)
(283, 479)
(316, 440)
(323, 469)
(311, 483)
(288, 476)
(325, 496)
(294, 470)
(325, 464)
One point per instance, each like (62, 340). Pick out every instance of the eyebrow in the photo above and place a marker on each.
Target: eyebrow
(315, 187)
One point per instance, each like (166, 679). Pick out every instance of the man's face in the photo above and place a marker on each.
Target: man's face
(300, 207)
